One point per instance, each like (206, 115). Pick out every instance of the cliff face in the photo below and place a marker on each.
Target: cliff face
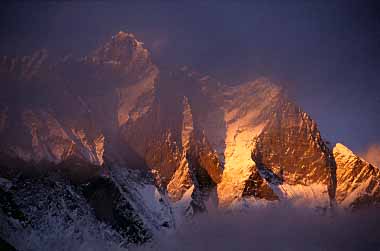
(53, 110)
(154, 144)
(291, 155)
(59, 140)
(358, 182)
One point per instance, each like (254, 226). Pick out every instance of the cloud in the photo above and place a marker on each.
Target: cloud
(275, 228)
(372, 155)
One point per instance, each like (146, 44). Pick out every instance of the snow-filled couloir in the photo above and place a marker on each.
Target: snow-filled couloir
(131, 148)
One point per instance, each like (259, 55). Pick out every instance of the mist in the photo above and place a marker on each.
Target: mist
(372, 155)
(325, 53)
(275, 228)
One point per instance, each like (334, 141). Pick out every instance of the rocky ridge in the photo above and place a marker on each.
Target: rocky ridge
(132, 148)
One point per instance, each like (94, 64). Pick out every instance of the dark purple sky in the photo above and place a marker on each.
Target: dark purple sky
(326, 53)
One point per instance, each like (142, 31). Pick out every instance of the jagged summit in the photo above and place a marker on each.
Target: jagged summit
(342, 149)
(136, 147)
(358, 182)
(347, 154)
(122, 36)
(123, 48)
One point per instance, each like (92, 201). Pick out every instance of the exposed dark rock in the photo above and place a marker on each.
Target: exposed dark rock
(110, 207)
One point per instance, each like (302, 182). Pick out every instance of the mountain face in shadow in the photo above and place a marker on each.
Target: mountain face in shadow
(110, 143)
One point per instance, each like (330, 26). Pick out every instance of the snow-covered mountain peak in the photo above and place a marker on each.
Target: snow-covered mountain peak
(358, 182)
(125, 37)
(122, 35)
(343, 154)
(170, 142)
(342, 149)
(123, 49)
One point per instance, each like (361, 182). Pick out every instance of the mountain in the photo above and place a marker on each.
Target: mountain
(358, 182)
(111, 143)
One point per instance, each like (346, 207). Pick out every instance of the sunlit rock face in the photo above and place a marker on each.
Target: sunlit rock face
(39, 135)
(245, 112)
(54, 142)
(358, 182)
(290, 152)
(137, 147)
(182, 179)
(246, 142)
(169, 142)
(291, 148)
(270, 149)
